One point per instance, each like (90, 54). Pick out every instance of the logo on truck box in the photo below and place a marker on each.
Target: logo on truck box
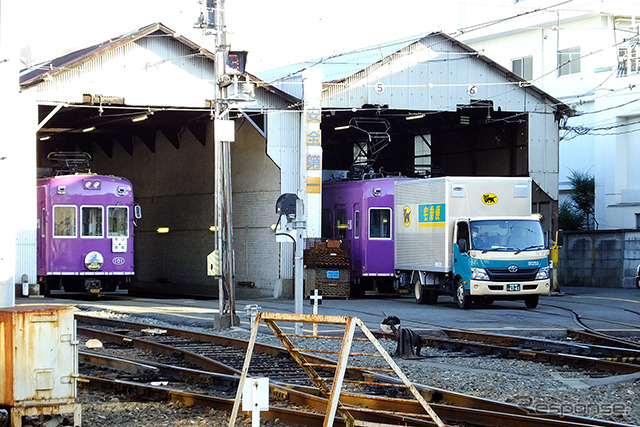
(432, 215)
(489, 199)
(406, 216)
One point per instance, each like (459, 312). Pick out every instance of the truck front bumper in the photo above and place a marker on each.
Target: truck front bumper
(501, 289)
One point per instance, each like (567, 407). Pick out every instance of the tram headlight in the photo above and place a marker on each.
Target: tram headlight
(479, 274)
(543, 273)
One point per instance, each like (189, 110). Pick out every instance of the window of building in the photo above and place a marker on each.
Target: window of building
(91, 221)
(638, 221)
(523, 67)
(64, 221)
(627, 60)
(568, 61)
(422, 153)
(380, 223)
(118, 224)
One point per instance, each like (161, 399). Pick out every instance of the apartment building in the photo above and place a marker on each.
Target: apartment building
(585, 54)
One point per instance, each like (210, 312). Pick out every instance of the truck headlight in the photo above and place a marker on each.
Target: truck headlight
(543, 273)
(479, 274)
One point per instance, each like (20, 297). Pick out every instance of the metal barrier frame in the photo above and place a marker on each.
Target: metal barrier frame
(332, 394)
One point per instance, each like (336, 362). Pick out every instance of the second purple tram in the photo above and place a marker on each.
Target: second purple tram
(85, 233)
(360, 213)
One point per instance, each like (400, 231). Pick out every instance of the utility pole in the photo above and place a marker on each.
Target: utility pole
(212, 18)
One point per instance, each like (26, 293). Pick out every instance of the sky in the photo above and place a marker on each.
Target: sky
(274, 32)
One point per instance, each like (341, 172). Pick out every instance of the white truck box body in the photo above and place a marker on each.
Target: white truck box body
(426, 212)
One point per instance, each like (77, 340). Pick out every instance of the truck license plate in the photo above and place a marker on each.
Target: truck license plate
(513, 287)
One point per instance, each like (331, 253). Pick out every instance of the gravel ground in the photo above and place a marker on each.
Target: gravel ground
(537, 386)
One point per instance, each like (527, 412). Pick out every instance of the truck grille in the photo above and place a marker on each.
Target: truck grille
(504, 275)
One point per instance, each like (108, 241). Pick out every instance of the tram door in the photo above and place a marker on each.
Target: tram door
(378, 248)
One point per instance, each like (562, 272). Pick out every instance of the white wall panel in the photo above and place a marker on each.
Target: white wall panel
(283, 142)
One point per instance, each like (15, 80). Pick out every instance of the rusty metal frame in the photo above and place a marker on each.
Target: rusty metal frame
(331, 393)
(17, 412)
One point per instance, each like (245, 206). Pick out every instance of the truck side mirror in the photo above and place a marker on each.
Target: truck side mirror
(559, 238)
(462, 245)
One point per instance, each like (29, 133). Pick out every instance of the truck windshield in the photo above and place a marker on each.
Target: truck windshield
(506, 235)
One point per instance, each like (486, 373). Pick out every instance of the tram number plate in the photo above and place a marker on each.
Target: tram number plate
(513, 287)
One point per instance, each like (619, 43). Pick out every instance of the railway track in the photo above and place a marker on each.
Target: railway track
(590, 335)
(581, 355)
(173, 360)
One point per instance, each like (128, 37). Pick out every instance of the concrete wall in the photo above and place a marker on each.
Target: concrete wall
(599, 259)
(175, 189)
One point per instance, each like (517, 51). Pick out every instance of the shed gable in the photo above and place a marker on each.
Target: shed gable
(434, 74)
(153, 70)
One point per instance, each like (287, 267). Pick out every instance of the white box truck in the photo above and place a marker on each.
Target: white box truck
(470, 237)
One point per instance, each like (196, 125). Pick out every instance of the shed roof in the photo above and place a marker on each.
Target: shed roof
(341, 67)
(41, 72)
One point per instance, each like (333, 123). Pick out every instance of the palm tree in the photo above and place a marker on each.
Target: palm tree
(578, 211)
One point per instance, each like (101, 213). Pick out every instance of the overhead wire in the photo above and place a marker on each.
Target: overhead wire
(509, 18)
(377, 49)
(488, 24)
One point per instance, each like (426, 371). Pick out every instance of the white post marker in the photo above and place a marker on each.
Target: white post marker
(316, 300)
(255, 398)
(251, 311)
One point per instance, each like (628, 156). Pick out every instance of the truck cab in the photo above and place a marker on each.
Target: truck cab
(500, 258)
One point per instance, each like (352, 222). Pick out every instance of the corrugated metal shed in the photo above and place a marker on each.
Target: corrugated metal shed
(152, 71)
(335, 67)
(427, 72)
(436, 73)
(134, 67)
(431, 71)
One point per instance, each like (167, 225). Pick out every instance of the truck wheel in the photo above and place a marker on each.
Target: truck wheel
(531, 301)
(419, 292)
(463, 300)
(423, 294)
(432, 296)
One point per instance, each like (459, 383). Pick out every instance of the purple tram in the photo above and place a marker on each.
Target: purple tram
(360, 214)
(85, 233)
